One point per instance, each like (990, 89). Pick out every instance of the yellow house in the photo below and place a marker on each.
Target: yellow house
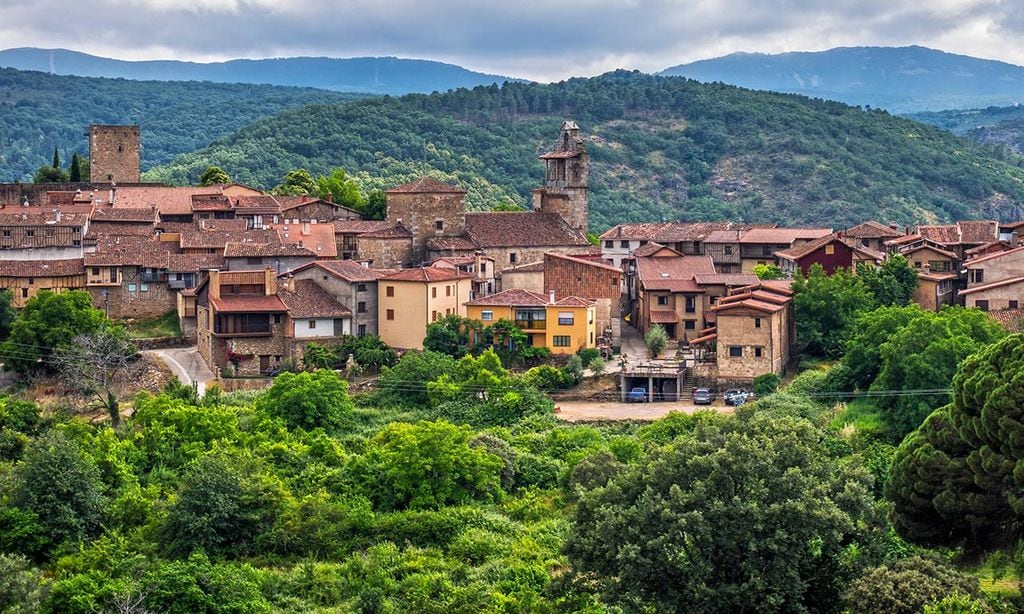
(410, 299)
(564, 326)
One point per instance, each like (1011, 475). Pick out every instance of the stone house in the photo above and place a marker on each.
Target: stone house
(314, 315)
(760, 245)
(935, 290)
(309, 209)
(38, 233)
(346, 232)
(872, 235)
(667, 292)
(527, 276)
(351, 284)
(27, 278)
(995, 282)
(564, 326)
(409, 300)
(389, 248)
(479, 266)
(128, 278)
(427, 208)
(933, 258)
(688, 238)
(241, 322)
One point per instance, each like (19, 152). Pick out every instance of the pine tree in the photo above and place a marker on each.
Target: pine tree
(56, 159)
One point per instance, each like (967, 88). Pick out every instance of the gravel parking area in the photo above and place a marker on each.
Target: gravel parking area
(587, 411)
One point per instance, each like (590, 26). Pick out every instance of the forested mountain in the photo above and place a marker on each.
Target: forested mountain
(999, 126)
(39, 112)
(377, 75)
(662, 148)
(900, 79)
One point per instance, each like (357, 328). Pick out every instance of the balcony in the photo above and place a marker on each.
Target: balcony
(149, 278)
(242, 325)
(532, 324)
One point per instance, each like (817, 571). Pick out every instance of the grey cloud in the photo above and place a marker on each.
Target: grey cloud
(531, 38)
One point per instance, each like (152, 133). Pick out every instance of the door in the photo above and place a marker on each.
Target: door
(264, 364)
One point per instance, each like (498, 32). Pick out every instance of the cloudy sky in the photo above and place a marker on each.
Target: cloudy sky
(538, 39)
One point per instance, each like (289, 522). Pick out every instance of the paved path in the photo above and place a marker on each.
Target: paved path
(590, 411)
(187, 365)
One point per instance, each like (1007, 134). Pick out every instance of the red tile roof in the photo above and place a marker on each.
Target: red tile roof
(586, 261)
(1011, 319)
(650, 249)
(318, 238)
(359, 226)
(521, 229)
(514, 297)
(309, 300)
(674, 274)
(248, 303)
(192, 263)
(427, 274)
(995, 256)
(978, 231)
(426, 185)
(704, 339)
(664, 316)
(995, 284)
(124, 216)
(779, 236)
(872, 230)
(349, 270)
(726, 279)
(265, 250)
(574, 301)
(218, 239)
(937, 250)
(263, 204)
(806, 248)
(167, 200)
(41, 268)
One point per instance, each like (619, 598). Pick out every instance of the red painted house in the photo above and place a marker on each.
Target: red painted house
(831, 252)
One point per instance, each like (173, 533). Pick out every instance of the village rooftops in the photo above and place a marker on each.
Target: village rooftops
(674, 274)
(166, 200)
(348, 270)
(991, 257)
(265, 250)
(669, 232)
(425, 185)
(521, 229)
(928, 245)
(39, 216)
(308, 300)
(995, 284)
(41, 268)
(513, 297)
(359, 226)
(248, 303)
(725, 279)
(803, 249)
(645, 251)
(426, 275)
(583, 260)
(780, 236)
(872, 230)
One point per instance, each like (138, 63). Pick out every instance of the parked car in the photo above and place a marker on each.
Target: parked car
(703, 396)
(637, 395)
(735, 396)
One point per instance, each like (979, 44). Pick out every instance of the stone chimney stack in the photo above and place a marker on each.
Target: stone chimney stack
(551, 297)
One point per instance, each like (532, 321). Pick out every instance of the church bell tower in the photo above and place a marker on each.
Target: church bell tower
(565, 189)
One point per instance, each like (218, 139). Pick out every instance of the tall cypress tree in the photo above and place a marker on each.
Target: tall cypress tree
(75, 171)
(56, 159)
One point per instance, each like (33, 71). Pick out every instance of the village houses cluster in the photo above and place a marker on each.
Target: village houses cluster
(255, 277)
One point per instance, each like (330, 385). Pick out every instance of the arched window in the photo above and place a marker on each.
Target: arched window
(120, 148)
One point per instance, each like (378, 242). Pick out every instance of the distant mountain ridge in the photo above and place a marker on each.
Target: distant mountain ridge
(372, 75)
(899, 79)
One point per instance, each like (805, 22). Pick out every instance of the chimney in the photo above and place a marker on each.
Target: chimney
(1014, 238)
(330, 197)
(290, 283)
(551, 297)
(57, 216)
(269, 282)
(479, 257)
(214, 284)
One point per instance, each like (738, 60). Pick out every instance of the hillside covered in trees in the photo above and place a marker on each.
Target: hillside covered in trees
(662, 148)
(39, 112)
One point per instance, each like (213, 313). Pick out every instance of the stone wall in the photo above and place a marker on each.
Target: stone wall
(385, 253)
(114, 153)
(420, 213)
(120, 303)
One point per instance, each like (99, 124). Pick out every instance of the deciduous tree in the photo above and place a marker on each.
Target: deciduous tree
(48, 323)
(214, 175)
(317, 399)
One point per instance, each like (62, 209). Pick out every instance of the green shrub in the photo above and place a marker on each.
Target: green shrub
(766, 383)
(588, 355)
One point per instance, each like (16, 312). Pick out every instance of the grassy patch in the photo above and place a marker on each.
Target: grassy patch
(862, 416)
(148, 328)
(998, 579)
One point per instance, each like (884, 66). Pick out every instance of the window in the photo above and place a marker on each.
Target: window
(434, 316)
(982, 305)
(433, 292)
(1012, 305)
(277, 318)
(483, 268)
(512, 258)
(487, 316)
(865, 243)
(447, 290)
(691, 304)
(439, 225)
(917, 264)
(7, 233)
(766, 250)
(389, 291)
(609, 244)
(561, 341)
(390, 314)
(663, 300)
(362, 330)
(24, 293)
(624, 244)
(131, 287)
(735, 351)
(143, 287)
(728, 250)
(690, 324)
(361, 288)
(312, 323)
(566, 318)
(977, 276)
(95, 270)
(758, 351)
(757, 322)
(938, 266)
(830, 249)
(361, 307)
(31, 281)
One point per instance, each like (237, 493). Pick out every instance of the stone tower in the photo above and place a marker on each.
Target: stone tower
(114, 154)
(565, 190)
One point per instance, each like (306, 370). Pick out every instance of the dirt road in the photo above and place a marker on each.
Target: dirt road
(589, 411)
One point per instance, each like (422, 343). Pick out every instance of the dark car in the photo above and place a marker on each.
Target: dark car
(703, 396)
(637, 395)
(735, 396)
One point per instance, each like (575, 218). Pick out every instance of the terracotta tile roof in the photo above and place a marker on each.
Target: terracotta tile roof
(426, 274)
(574, 301)
(640, 231)
(868, 252)
(41, 268)
(460, 260)
(947, 234)
(248, 303)
(263, 204)
(526, 229)
(349, 270)
(904, 239)
(426, 185)
(651, 248)
(872, 230)
(211, 202)
(192, 263)
(310, 301)
(988, 248)
(1011, 319)
(664, 316)
(318, 238)
(1012, 225)
(725, 279)
(218, 239)
(586, 261)
(265, 250)
(748, 303)
(779, 236)
(978, 231)
(99, 230)
(675, 274)
(514, 297)
(167, 200)
(704, 339)
(527, 267)
(725, 236)
(124, 216)
(806, 248)
(239, 223)
(359, 226)
(450, 243)
(936, 276)
(671, 232)
(995, 284)
(991, 257)
(129, 251)
(39, 216)
(934, 248)
(397, 231)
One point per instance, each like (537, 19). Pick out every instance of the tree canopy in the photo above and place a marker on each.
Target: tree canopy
(48, 323)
